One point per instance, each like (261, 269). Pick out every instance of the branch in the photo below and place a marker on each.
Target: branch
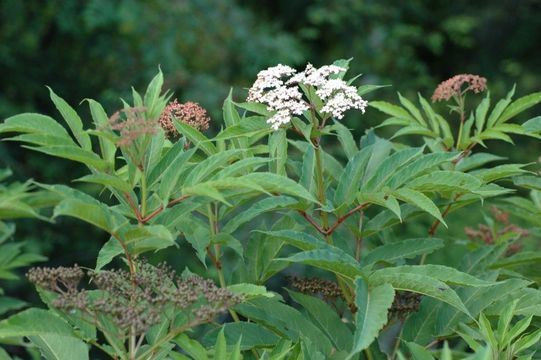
(337, 223)
(343, 218)
(436, 222)
(313, 222)
(160, 208)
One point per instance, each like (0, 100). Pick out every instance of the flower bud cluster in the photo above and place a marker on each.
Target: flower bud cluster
(135, 302)
(279, 88)
(190, 113)
(131, 123)
(315, 286)
(405, 303)
(454, 87)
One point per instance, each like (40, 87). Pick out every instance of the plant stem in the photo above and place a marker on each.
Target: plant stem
(143, 194)
(321, 187)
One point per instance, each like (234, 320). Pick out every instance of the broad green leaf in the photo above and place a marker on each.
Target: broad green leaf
(417, 283)
(419, 200)
(196, 137)
(108, 252)
(528, 341)
(521, 258)
(107, 180)
(308, 166)
(412, 109)
(52, 334)
(528, 182)
(350, 179)
(171, 175)
(445, 181)
(326, 318)
(442, 273)
(220, 347)
(346, 139)
(430, 113)
(531, 126)
(393, 110)
(257, 108)
(499, 109)
(140, 239)
(388, 167)
(499, 172)
(278, 151)
(365, 89)
(33, 123)
(43, 140)
(84, 207)
(251, 335)
(403, 249)
(191, 347)
(492, 134)
(519, 106)
(242, 167)
(260, 207)
(8, 303)
(476, 160)
(381, 199)
(249, 291)
(414, 130)
(330, 258)
(211, 164)
(481, 113)
(227, 240)
(72, 119)
(418, 352)
(285, 321)
(418, 166)
(156, 171)
(274, 183)
(107, 147)
(476, 300)
(372, 307)
(298, 239)
(152, 96)
(74, 153)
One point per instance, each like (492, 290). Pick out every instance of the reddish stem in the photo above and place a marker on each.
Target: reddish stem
(337, 223)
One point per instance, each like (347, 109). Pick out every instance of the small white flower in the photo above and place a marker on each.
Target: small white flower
(278, 88)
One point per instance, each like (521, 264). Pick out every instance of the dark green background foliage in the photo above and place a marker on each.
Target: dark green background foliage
(99, 48)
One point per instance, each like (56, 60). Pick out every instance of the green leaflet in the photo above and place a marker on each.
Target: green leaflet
(372, 306)
(403, 249)
(251, 335)
(72, 119)
(258, 208)
(388, 167)
(74, 153)
(349, 181)
(298, 239)
(330, 258)
(418, 166)
(346, 139)
(420, 200)
(421, 284)
(326, 318)
(53, 335)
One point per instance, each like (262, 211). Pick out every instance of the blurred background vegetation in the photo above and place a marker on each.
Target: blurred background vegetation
(100, 48)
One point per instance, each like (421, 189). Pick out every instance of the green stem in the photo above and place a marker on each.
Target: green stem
(143, 194)
(321, 188)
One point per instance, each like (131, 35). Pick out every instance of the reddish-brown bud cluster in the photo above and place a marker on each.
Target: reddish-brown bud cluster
(132, 124)
(454, 87)
(315, 286)
(134, 302)
(190, 113)
(404, 303)
(491, 236)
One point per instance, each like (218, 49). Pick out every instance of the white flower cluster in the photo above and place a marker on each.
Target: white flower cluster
(282, 95)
